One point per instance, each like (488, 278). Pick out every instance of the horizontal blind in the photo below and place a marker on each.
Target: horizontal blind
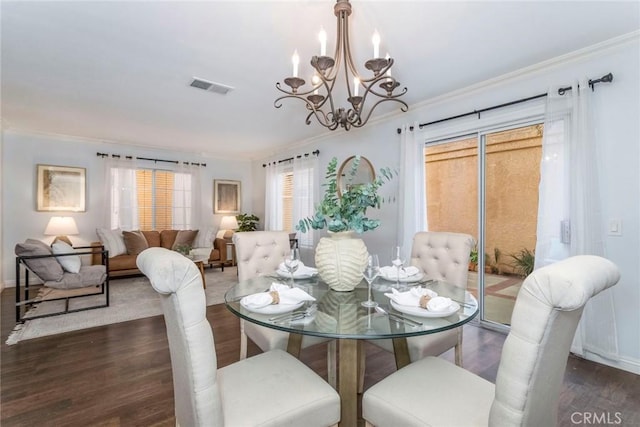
(144, 183)
(287, 201)
(155, 194)
(163, 199)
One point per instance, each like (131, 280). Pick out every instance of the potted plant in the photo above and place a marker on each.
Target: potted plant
(497, 254)
(340, 258)
(473, 259)
(247, 222)
(349, 211)
(492, 266)
(524, 262)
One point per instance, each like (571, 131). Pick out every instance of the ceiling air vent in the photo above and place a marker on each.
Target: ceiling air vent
(210, 86)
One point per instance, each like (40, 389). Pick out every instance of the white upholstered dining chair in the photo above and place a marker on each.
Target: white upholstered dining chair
(259, 253)
(440, 256)
(433, 392)
(241, 394)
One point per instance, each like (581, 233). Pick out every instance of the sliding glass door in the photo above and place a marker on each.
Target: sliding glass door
(510, 178)
(486, 185)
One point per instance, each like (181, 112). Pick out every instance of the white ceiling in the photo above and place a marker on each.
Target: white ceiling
(119, 71)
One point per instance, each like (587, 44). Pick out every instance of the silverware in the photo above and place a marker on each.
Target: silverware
(398, 317)
(284, 316)
(295, 315)
(464, 304)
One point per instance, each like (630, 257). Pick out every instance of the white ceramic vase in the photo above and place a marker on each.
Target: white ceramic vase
(340, 260)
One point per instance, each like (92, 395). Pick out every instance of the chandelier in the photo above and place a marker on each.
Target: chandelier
(320, 99)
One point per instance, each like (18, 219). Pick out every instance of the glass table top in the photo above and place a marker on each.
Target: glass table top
(341, 315)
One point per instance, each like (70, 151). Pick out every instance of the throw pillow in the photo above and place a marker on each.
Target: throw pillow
(112, 241)
(135, 242)
(204, 239)
(168, 238)
(184, 238)
(47, 269)
(153, 238)
(70, 263)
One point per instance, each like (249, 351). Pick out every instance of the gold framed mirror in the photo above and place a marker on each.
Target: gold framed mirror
(363, 175)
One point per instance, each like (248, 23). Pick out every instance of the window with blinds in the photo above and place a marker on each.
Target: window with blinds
(287, 201)
(155, 199)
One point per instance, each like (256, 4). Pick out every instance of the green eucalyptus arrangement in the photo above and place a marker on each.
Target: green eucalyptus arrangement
(183, 249)
(247, 222)
(347, 212)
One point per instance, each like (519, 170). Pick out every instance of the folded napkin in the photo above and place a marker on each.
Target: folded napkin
(415, 297)
(277, 294)
(302, 271)
(391, 272)
(437, 304)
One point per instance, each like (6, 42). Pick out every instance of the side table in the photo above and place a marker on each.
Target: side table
(231, 249)
(199, 262)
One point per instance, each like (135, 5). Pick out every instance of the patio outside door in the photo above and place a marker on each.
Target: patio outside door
(486, 185)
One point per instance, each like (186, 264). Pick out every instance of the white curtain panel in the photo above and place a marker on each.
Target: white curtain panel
(412, 201)
(273, 196)
(187, 202)
(121, 194)
(570, 210)
(305, 196)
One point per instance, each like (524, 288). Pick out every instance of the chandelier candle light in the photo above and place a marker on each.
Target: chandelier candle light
(326, 70)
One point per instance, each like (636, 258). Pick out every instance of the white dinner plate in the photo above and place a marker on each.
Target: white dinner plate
(273, 308)
(423, 312)
(413, 278)
(287, 275)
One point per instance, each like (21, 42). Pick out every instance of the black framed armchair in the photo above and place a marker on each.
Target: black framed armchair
(62, 278)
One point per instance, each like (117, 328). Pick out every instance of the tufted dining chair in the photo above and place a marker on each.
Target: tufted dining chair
(434, 392)
(441, 256)
(259, 253)
(240, 394)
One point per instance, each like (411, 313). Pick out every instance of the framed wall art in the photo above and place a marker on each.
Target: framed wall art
(60, 189)
(226, 196)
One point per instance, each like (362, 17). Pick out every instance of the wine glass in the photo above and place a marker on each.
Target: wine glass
(398, 262)
(292, 261)
(371, 271)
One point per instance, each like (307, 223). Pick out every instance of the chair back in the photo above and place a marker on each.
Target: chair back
(260, 252)
(443, 256)
(544, 321)
(191, 345)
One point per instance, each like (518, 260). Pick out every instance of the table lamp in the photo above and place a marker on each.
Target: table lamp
(61, 226)
(227, 225)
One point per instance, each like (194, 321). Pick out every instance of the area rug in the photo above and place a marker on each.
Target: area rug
(130, 299)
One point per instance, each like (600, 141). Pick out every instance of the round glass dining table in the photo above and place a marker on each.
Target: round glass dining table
(340, 315)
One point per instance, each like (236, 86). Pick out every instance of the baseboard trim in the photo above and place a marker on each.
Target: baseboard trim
(9, 284)
(625, 363)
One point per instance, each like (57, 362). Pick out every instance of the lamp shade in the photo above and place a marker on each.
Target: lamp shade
(228, 223)
(60, 226)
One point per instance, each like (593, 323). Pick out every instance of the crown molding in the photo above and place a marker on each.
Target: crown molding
(527, 72)
(127, 144)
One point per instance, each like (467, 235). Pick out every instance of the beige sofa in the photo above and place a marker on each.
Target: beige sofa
(124, 262)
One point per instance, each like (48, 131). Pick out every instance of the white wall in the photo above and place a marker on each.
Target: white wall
(617, 123)
(1, 210)
(21, 154)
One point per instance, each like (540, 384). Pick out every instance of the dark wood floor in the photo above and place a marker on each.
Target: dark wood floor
(120, 375)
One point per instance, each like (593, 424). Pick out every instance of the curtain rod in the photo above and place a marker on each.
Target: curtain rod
(607, 78)
(315, 153)
(175, 162)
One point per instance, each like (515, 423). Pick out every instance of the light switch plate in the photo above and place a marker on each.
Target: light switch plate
(615, 227)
